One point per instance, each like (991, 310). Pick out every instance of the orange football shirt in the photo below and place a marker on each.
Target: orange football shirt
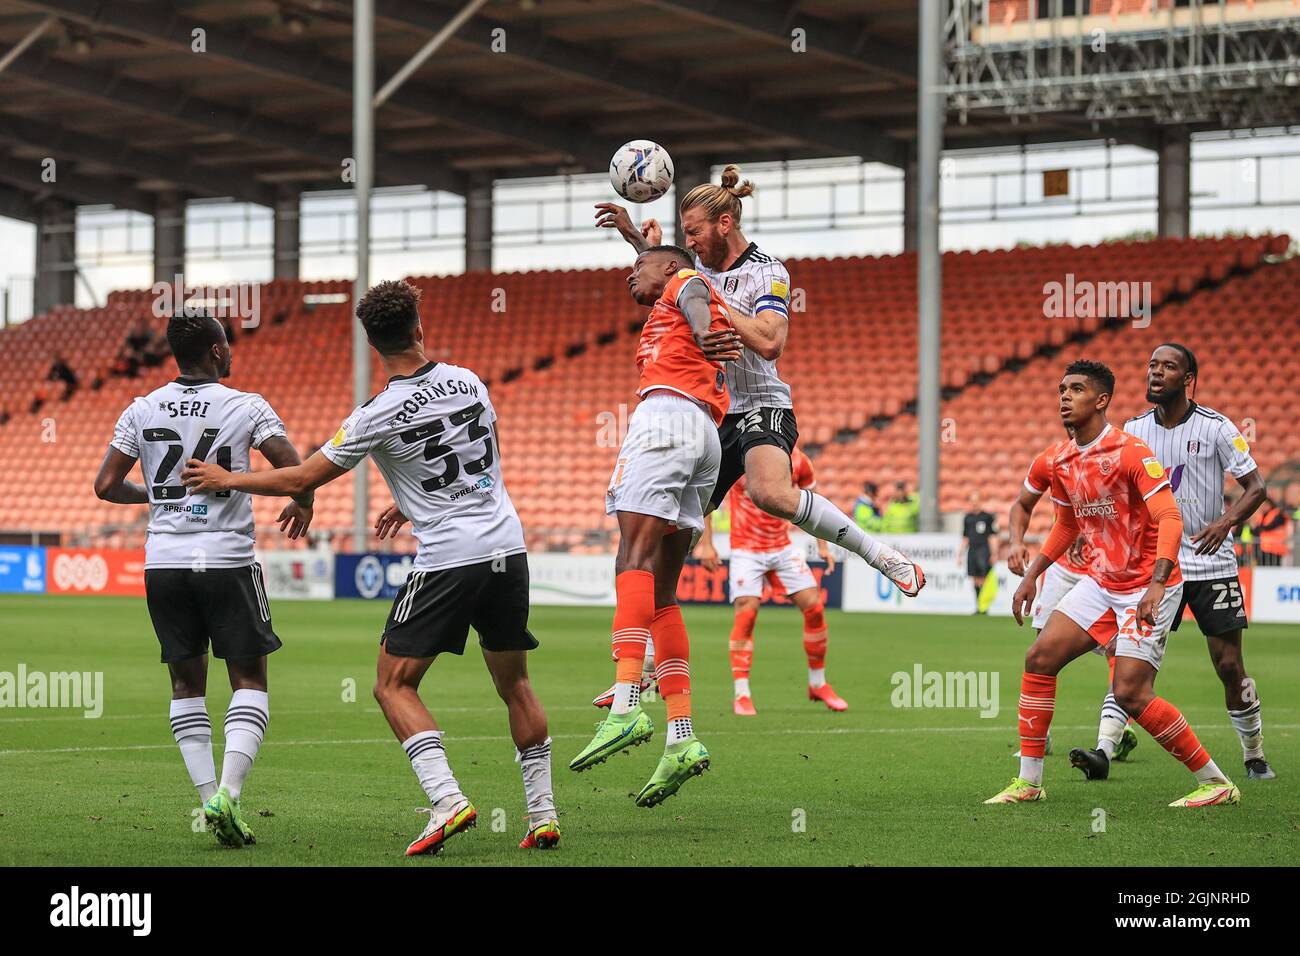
(669, 357)
(1107, 484)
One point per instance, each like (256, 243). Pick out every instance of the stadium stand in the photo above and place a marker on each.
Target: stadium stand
(556, 348)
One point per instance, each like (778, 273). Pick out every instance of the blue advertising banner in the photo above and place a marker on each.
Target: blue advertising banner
(378, 576)
(22, 570)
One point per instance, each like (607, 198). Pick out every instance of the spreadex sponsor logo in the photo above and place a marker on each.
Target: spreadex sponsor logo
(483, 484)
(75, 908)
(1103, 508)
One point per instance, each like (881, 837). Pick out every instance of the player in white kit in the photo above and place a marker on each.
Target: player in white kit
(1196, 445)
(202, 583)
(432, 433)
(759, 430)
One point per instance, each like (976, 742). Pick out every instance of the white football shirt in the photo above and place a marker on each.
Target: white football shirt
(1195, 453)
(184, 419)
(432, 434)
(755, 281)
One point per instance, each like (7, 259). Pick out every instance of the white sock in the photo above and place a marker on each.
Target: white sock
(626, 697)
(193, 732)
(821, 519)
(1111, 727)
(1031, 769)
(429, 761)
(246, 720)
(816, 677)
(1210, 773)
(649, 655)
(535, 766)
(679, 729)
(742, 687)
(1249, 724)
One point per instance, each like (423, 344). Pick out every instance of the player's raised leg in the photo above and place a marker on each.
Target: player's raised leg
(684, 756)
(528, 730)
(1060, 642)
(1242, 701)
(767, 471)
(397, 689)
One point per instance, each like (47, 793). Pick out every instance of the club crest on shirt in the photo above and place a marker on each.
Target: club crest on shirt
(1153, 467)
(1106, 466)
(1193, 446)
(730, 285)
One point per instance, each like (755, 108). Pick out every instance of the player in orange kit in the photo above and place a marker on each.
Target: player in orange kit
(1116, 738)
(761, 549)
(660, 491)
(1109, 486)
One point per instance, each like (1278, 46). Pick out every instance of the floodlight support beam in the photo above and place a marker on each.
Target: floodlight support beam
(363, 146)
(21, 46)
(429, 49)
(931, 107)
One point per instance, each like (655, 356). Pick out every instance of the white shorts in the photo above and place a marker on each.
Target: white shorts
(749, 568)
(668, 463)
(1109, 616)
(1054, 585)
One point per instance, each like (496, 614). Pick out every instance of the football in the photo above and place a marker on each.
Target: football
(641, 171)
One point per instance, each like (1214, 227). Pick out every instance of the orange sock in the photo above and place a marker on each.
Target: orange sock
(1170, 729)
(1037, 702)
(742, 643)
(814, 637)
(672, 663)
(633, 617)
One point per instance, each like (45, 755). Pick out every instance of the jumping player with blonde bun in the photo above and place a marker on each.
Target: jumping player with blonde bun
(759, 430)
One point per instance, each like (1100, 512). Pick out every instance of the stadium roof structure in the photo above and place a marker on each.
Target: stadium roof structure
(241, 98)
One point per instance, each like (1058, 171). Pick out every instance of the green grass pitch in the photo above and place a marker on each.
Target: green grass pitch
(877, 785)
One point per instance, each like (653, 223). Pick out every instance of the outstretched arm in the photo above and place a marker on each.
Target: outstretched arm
(613, 216)
(296, 517)
(279, 451)
(111, 484)
(295, 481)
(694, 303)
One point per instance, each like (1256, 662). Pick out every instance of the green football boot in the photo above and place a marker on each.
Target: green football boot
(1019, 790)
(680, 762)
(1127, 741)
(224, 820)
(616, 732)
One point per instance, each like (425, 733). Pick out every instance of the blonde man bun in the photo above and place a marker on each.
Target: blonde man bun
(717, 199)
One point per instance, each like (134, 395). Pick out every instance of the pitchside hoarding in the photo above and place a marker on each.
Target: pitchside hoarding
(22, 570)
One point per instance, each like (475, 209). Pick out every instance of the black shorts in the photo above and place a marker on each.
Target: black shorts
(745, 430)
(978, 564)
(1218, 605)
(434, 611)
(226, 606)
